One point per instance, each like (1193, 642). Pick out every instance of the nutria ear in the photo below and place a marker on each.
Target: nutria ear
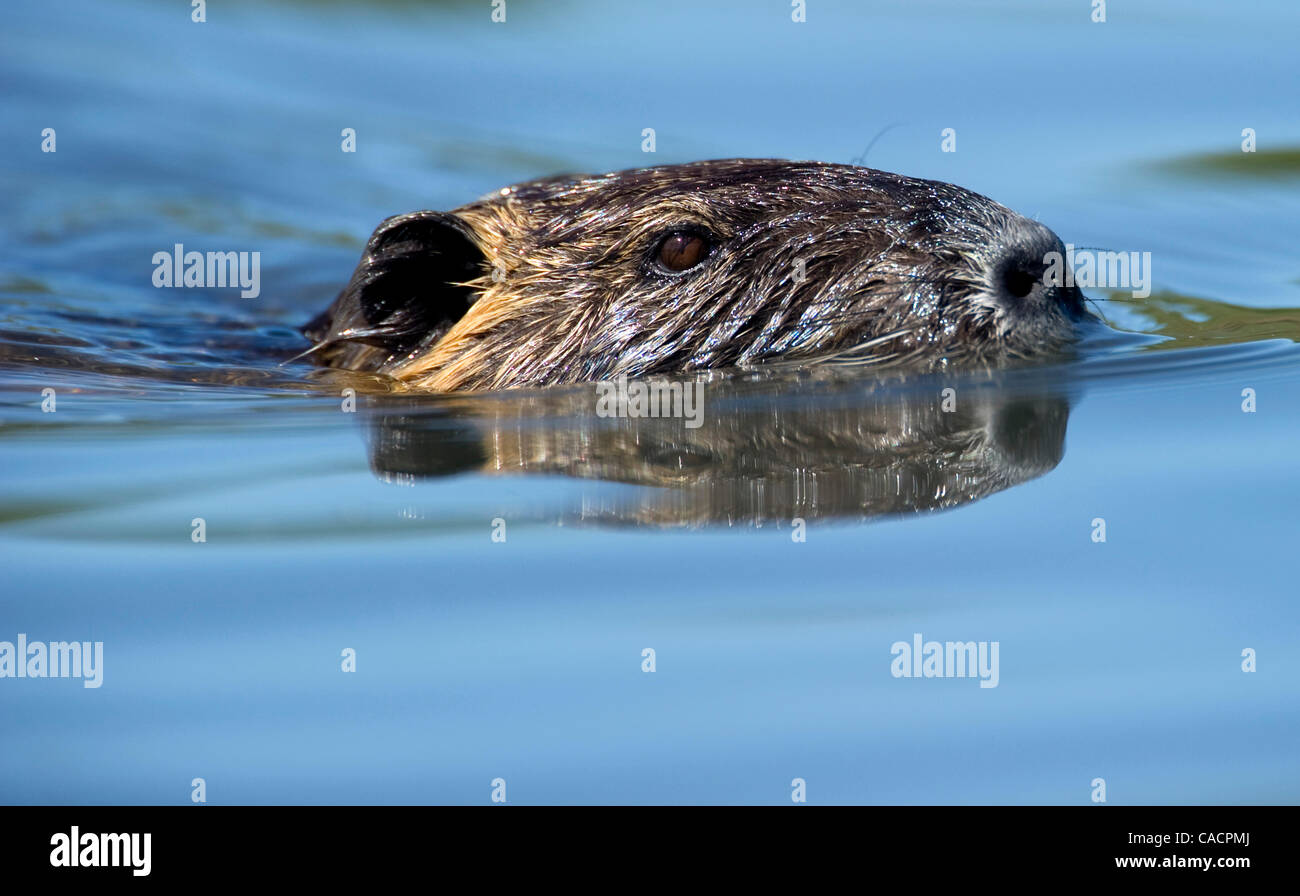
(408, 287)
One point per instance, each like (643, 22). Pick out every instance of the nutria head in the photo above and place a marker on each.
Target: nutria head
(690, 267)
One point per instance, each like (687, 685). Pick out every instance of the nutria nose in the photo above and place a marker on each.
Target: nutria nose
(1020, 275)
(1028, 267)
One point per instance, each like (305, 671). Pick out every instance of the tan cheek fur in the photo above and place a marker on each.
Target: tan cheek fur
(472, 355)
(454, 360)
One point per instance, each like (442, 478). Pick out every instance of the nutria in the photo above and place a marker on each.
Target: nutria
(683, 268)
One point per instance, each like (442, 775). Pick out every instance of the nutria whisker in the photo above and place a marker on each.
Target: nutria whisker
(858, 160)
(315, 348)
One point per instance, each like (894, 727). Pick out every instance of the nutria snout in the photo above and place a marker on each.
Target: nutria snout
(707, 265)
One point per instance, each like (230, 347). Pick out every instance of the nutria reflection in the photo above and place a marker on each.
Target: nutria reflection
(752, 459)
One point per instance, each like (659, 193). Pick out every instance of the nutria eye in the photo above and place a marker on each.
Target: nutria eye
(682, 250)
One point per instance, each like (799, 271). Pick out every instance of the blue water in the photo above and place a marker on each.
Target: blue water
(522, 660)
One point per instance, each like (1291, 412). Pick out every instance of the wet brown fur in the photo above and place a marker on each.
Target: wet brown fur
(897, 270)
